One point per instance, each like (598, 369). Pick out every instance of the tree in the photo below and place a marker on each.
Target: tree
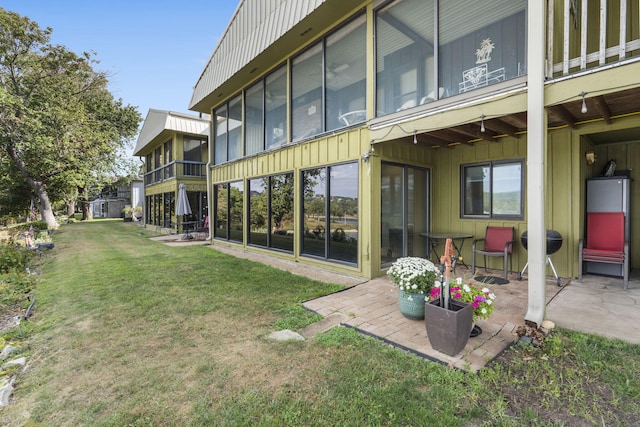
(59, 124)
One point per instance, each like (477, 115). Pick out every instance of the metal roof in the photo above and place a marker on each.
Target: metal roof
(255, 25)
(158, 121)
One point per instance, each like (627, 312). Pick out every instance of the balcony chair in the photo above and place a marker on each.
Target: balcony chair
(605, 242)
(498, 241)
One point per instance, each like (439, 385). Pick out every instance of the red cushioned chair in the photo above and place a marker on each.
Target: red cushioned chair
(605, 242)
(498, 241)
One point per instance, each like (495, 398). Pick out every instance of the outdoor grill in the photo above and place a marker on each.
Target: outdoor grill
(554, 243)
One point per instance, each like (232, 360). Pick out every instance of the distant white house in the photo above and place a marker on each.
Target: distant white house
(112, 200)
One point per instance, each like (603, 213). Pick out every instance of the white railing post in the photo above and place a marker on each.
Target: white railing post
(603, 32)
(567, 31)
(583, 34)
(623, 29)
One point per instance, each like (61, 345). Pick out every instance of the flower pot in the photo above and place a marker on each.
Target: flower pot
(411, 305)
(448, 329)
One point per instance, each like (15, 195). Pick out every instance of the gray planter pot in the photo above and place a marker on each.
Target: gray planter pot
(411, 308)
(448, 329)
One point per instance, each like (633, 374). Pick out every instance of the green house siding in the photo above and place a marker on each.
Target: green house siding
(446, 187)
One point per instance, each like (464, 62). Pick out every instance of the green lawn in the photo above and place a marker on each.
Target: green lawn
(131, 332)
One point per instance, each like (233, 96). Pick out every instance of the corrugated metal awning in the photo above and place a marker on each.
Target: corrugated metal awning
(256, 25)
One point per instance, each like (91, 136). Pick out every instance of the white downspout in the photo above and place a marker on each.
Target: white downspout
(536, 148)
(209, 190)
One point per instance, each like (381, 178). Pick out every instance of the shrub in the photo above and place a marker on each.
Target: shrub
(15, 288)
(14, 258)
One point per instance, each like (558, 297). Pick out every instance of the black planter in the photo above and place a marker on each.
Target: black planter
(448, 329)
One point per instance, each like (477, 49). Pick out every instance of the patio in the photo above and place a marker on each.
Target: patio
(594, 306)
(599, 305)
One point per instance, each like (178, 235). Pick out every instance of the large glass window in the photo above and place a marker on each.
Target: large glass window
(345, 73)
(228, 131)
(478, 44)
(258, 211)
(275, 116)
(235, 128)
(221, 222)
(405, 32)
(266, 113)
(328, 83)
(236, 208)
(271, 211)
(404, 212)
(168, 159)
(195, 149)
(229, 207)
(306, 92)
(220, 141)
(254, 115)
(493, 190)
(194, 155)
(330, 212)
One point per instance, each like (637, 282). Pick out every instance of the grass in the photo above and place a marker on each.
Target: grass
(128, 331)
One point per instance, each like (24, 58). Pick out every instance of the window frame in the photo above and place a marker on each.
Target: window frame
(491, 165)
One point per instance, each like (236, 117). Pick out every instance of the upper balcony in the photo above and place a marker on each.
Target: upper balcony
(428, 56)
(583, 35)
(177, 169)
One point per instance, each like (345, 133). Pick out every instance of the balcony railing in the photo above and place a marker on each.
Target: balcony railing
(178, 168)
(583, 34)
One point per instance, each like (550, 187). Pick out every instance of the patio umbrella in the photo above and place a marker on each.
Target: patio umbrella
(183, 208)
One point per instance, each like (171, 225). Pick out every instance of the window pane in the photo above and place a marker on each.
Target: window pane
(192, 150)
(282, 212)
(314, 211)
(168, 152)
(168, 159)
(220, 141)
(405, 55)
(236, 201)
(507, 189)
(345, 75)
(343, 200)
(306, 86)
(254, 99)
(258, 215)
(276, 108)
(391, 202)
(235, 128)
(417, 208)
(481, 43)
(477, 190)
(221, 211)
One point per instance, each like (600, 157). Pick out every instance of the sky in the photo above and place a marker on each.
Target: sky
(154, 51)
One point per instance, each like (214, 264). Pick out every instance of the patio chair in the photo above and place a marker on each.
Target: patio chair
(605, 242)
(205, 227)
(498, 241)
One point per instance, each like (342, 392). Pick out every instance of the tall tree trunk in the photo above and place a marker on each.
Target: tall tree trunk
(71, 208)
(85, 206)
(45, 207)
(38, 187)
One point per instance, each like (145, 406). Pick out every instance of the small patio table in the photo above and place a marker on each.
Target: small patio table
(434, 238)
(188, 227)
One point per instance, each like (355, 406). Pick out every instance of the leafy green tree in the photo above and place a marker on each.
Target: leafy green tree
(59, 124)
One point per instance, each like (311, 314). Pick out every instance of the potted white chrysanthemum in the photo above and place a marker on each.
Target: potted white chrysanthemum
(414, 277)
